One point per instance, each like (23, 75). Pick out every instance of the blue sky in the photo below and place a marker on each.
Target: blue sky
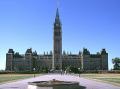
(94, 24)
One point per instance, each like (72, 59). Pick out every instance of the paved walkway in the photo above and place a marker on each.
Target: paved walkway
(89, 84)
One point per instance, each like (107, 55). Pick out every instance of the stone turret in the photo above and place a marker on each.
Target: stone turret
(34, 60)
(9, 60)
(28, 57)
(84, 58)
(104, 60)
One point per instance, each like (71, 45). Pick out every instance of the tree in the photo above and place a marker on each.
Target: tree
(74, 69)
(116, 62)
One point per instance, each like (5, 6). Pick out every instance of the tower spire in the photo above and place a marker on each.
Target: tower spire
(57, 18)
(57, 13)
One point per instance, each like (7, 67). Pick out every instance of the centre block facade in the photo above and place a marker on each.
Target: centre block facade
(56, 59)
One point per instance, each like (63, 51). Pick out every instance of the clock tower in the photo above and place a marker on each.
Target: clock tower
(57, 44)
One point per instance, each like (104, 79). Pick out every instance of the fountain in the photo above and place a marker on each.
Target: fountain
(53, 84)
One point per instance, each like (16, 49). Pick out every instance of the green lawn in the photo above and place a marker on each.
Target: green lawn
(11, 77)
(110, 78)
(115, 80)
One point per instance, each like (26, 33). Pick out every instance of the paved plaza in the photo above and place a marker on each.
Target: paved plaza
(86, 83)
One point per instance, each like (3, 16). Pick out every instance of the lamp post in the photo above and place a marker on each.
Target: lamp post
(79, 71)
(34, 72)
(61, 71)
(70, 71)
(66, 70)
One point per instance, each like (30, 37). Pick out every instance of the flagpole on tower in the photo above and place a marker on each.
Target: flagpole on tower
(58, 3)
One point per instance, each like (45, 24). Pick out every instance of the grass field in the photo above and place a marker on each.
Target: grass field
(110, 78)
(11, 77)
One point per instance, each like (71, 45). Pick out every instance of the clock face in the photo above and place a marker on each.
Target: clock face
(57, 24)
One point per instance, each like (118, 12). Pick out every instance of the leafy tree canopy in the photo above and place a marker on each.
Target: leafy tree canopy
(116, 62)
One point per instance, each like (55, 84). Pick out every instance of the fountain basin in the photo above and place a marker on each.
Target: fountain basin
(53, 84)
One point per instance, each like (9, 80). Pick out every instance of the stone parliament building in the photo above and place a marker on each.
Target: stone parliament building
(56, 59)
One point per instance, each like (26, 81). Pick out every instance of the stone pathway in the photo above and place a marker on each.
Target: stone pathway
(89, 84)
